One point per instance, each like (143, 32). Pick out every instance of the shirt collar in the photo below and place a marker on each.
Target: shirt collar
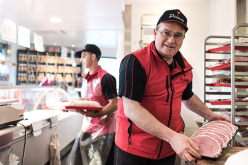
(99, 68)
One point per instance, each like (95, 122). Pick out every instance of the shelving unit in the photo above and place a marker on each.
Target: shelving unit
(33, 66)
(219, 52)
(147, 25)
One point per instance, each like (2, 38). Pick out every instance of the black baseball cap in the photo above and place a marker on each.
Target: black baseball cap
(92, 49)
(174, 15)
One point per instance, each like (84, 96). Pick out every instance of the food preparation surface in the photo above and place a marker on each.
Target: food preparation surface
(227, 152)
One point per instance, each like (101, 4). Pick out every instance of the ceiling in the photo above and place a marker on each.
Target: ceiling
(83, 21)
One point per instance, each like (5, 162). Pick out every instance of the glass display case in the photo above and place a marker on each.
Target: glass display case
(37, 98)
(39, 124)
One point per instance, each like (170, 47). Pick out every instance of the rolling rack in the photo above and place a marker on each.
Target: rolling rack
(147, 24)
(238, 69)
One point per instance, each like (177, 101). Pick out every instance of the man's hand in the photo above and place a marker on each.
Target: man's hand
(184, 147)
(215, 116)
(90, 113)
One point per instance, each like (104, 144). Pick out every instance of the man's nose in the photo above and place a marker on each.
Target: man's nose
(171, 39)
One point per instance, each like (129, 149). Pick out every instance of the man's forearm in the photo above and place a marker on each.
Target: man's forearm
(110, 107)
(146, 121)
(197, 106)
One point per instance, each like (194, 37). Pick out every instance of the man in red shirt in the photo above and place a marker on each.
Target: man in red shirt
(153, 82)
(96, 141)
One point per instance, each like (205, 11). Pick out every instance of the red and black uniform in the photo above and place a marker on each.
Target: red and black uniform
(96, 140)
(99, 86)
(145, 77)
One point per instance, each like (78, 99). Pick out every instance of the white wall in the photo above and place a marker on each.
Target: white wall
(222, 17)
(198, 16)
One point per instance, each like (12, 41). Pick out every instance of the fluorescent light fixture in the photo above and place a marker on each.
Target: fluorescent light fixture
(72, 45)
(55, 20)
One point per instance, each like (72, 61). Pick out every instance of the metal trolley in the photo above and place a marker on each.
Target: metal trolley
(238, 69)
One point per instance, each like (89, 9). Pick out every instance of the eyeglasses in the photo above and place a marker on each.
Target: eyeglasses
(177, 36)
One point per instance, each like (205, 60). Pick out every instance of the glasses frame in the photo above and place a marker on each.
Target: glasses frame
(171, 34)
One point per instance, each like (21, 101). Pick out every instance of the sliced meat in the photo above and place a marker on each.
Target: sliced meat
(222, 135)
(213, 135)
(230, 125)
(218, 127)
(207, 145)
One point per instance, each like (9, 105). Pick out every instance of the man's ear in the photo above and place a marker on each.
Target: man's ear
(93, 56)
(154, 33)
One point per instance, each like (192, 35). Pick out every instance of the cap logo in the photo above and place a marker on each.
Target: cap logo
(176, 17)
(178, 12)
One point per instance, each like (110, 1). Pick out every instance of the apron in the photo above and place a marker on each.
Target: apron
(97, 134)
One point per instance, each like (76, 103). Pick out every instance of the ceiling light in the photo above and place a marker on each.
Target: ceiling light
(54, 43)
(72, 45)
(55, 20)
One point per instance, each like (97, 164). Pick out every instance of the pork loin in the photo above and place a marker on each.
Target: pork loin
(212, 137)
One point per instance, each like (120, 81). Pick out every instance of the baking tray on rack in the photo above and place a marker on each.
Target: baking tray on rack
(225, 85)
(224, 102)
(226, 49)
(227, 66)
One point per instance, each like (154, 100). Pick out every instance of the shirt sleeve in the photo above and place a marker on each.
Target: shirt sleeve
(187, 93)
(109, 86)
(132, 79)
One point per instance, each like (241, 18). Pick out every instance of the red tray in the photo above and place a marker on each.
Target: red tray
(83, 107)
(226, 48)
(226, 102)
(71, 107)
(227, 66)
(227, 85)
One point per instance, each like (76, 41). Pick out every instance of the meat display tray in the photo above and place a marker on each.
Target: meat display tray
(226, 85)
(72, 107)
(227, 66)
(224, 102)
(83, 107)
(226, 49)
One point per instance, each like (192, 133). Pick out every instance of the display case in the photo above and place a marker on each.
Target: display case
(33, 66)
(33, 98)
(40, 124)
(226, 78)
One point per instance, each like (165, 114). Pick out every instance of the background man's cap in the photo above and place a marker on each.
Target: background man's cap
(175, 16)
(90, 48)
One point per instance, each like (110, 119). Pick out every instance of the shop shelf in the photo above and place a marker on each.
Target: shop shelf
(226, 49)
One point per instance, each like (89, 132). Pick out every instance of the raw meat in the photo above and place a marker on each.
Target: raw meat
(212, 137)
(222, 135)
(207, 145)
(82, 103)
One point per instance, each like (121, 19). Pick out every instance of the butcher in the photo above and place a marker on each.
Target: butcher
(153, 82)
(95, 143)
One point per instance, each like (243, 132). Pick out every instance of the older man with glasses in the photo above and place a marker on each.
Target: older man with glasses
(153, 82)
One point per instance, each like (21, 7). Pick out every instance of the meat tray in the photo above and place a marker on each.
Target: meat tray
(226, 49)
(227, 66)
(73, 108)
(83, 107)
(226, 85)
(224, 102)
